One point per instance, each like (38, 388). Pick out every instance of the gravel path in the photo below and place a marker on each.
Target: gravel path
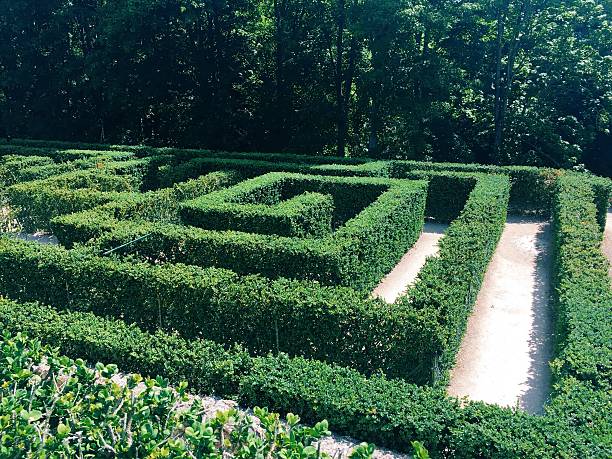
(406, 271)
(607, 242)
(504, 355)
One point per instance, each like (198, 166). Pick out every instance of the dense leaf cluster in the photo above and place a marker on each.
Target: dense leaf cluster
(506, 82)
(54, 406)
(300, 318)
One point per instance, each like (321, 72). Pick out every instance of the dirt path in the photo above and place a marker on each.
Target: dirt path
(406, 271)
(607, 242)
(504, 355)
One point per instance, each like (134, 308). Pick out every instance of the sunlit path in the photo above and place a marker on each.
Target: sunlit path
(406, 271)
(504, 355)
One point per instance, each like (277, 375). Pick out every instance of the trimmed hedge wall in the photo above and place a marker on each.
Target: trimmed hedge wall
(583, 293)
(300, 318)
(11, 165)
(358, 254)
(260, 205)
(389, 413)
(407, 339)
(38, 201)
(448, 285)
(155, 206)
(169, 174)
(27, 174)
(602, 189)
(532, 187)
(62, 154)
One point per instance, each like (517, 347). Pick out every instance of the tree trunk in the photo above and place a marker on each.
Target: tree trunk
(102, 135)
(348, 85)
(280, 93)
(341, 117)
(498, 115)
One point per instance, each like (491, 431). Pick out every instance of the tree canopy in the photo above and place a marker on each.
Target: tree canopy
(494, 81)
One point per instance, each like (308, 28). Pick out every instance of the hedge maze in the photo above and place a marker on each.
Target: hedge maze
(249, 276)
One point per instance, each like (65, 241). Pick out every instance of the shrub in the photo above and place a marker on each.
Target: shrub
(300, 318)
(11, 165)
(55, 406)
(448, 285)
(388, 412)
(156, 206)
(582, 287)
(170, 174)
(62, 154)
(262, 205)
(38, 201)
(27, 174)
(358, 254)
(532, 187)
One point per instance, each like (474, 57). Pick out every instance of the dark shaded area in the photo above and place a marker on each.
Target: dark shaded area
(508, 82)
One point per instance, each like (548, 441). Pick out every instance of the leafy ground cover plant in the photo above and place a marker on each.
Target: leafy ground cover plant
(52, 406)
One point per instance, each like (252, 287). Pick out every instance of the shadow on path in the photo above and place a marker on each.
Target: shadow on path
(607, 241)
(504, 357)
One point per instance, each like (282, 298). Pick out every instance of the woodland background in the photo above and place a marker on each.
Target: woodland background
(493, 81)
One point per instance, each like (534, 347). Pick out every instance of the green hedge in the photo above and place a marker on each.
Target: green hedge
(583, 293)
(262, 205)
(358, 254)
(532, 187)
(602, 189)
(155, 206)
(169, 174)
(389, 413)
(301, 318)
(62, 154)
(448, 285)
(183, 154)
(38, 201)
(447, 192)
(11, 165)
(27, 174)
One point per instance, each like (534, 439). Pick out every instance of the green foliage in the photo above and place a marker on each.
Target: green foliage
(415, 339)
(156, 206)
(38, 201)
(447, 286)
(157, 317)
(380, 218)
(583, 294)
(264, 205)
(11, 165)
(52, 405)
(168, 175)
(532, 187)
(388, 412)
(297, 317)
(507, 82)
